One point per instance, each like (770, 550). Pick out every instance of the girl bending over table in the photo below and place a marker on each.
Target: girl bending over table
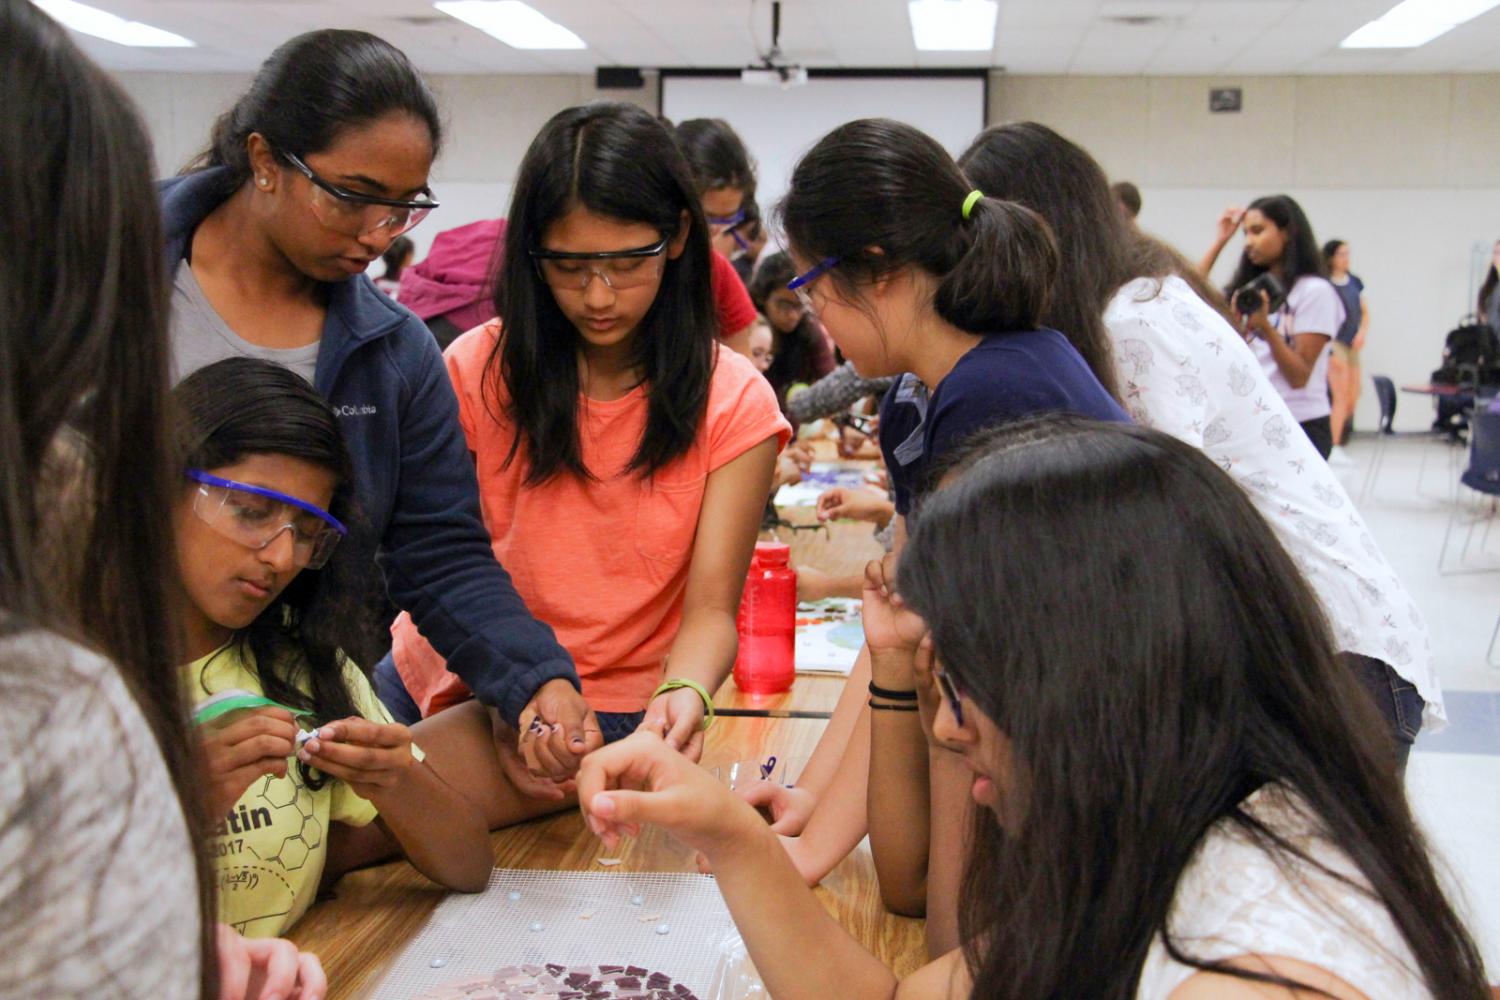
(1174, 801)
(624, 457)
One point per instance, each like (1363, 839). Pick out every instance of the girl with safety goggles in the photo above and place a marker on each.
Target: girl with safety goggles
(270, 598)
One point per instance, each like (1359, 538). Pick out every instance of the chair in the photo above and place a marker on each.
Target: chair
(1385, 393)
(1482, 476)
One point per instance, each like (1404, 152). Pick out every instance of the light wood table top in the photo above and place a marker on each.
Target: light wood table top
(373, 913)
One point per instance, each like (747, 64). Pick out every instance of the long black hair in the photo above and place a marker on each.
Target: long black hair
(1491, 281)
(716, 155)
(240, 407)
(83, 356)
(1132, 737)
(881, 195)
(791, 348)
(1031, 164)
(311, 90)
(1300, 258)
(619, 162)
(771, 275)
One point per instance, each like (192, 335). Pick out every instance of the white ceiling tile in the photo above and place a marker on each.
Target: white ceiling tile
(1032, 36)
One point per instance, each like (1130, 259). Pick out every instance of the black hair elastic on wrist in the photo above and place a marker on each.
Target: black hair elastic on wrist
(886, 693)
(891, 708)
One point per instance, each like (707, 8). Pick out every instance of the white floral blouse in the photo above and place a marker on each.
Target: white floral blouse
(1184, 370)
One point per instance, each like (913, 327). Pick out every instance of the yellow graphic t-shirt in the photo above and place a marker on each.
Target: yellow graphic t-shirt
(269, 850)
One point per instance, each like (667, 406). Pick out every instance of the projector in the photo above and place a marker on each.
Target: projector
(773, 76)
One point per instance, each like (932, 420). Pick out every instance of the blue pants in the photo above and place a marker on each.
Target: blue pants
(1396, 698)
(390, 690)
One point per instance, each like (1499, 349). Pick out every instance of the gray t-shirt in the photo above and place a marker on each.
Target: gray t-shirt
(200, 336)
(98, 893)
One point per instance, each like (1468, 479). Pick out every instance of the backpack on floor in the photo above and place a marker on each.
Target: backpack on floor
(1471, 350)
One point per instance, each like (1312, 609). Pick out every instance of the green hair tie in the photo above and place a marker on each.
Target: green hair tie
(969, 202)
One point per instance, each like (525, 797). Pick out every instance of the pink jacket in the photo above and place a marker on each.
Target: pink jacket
(453, 281)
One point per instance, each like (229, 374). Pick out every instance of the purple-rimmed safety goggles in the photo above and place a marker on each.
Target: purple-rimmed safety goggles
(254, 516)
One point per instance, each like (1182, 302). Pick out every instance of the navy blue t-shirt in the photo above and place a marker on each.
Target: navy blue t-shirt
(1007, 376)
(1349, 292)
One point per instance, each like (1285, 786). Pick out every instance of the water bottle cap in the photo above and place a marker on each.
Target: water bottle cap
(773, 553)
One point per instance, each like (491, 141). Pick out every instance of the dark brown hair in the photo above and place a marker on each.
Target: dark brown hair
(311, 90)
(1301, 256)
(620, 162)
(1127, 194)
(238, 407)
(1137, 735)
(1032, 164)
(83, 355)
(880, 196)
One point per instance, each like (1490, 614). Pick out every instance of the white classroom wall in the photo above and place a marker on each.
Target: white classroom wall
(1406, 168)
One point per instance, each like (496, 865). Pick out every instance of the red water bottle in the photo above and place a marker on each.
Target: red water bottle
(767, 622)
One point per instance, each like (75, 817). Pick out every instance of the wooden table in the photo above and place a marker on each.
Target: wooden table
(373, 913)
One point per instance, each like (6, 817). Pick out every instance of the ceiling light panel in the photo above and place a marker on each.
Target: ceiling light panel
(953, 25)
(516, 24)
(98, 23)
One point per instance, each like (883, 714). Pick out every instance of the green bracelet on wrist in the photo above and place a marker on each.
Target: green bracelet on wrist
(683, 682)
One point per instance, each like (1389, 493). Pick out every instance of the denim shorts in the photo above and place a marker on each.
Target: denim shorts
(1398, 699)
(392, 692)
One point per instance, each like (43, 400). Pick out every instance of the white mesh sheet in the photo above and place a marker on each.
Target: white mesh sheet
(471, 935)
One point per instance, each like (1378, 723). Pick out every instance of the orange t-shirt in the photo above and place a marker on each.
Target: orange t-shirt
(604, 562)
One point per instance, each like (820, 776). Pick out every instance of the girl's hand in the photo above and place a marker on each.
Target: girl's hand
(787, 473)
(854, 504)
(558, 729)
(1229, 222)
(241, 749)
(892, 631)
(513, 763)
(266, 968)
(641, 779)
(890, 626)
(677, 717)
(1260, 321)
(372, 757)
(791, 808)
(851, 441)
(801, 455)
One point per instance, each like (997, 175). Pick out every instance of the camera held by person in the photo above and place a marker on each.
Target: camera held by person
(1248, 297)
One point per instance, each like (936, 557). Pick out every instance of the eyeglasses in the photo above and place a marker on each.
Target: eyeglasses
(254, 517)
(718, 224)
(618, 269)
(800, 282)
(354, 214)
(952, 692)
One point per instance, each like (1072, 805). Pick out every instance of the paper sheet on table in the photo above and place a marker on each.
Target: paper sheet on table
(829, 635)
(821, 477)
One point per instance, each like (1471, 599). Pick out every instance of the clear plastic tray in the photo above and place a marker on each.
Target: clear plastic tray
(735, 977)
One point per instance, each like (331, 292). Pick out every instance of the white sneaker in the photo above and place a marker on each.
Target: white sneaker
(1339, 459)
